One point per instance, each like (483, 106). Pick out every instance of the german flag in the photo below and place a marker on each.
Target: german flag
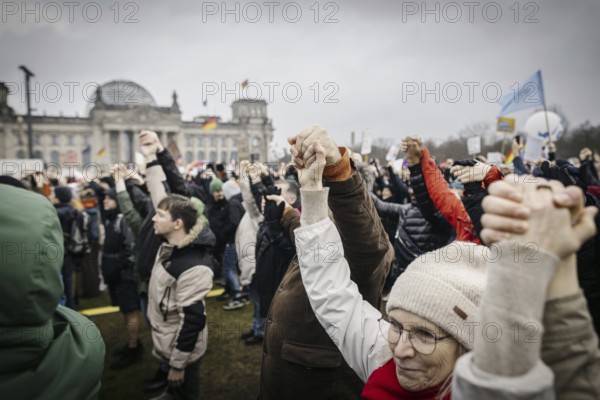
(209, 124)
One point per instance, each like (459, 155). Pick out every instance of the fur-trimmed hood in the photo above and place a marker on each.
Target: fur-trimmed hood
(199, 235)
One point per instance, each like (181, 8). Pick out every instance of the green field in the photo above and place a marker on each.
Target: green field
(230, 369)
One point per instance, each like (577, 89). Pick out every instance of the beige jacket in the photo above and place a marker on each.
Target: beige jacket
(179, 283)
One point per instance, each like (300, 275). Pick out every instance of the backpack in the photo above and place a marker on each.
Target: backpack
(76, 242)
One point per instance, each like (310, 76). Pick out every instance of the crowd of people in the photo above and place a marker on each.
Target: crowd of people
(489, 274)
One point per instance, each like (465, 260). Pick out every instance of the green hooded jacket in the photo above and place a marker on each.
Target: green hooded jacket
(46, 351)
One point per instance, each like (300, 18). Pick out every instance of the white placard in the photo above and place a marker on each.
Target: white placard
(495, 157)
(533, 148)
(366, 143)
(392, 153)
(474, 145)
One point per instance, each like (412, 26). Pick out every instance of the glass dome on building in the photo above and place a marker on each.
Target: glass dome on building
(125, 93)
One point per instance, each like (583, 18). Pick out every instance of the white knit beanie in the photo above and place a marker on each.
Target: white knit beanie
(230, 189)
(444, 287)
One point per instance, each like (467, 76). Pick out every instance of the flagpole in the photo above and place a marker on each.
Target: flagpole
(547, 124)
(545, 109)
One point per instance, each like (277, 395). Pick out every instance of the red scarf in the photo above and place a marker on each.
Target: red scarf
(383, 385)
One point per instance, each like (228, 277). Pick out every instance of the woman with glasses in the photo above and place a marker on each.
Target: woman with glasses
(432, 308)
(433, 315)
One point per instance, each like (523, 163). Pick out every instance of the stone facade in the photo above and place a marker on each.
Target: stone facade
(109, 133)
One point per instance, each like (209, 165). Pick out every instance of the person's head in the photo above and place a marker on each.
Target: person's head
(290, 190)
(230, 189)
(175, 217)
(31, 285)
(107, 182)
(61, 195)
(431, 308)
(216, 189)
(386, 193)
(110, 200)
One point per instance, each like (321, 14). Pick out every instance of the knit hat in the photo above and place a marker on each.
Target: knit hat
(215, 185)
(109, 180)
(63, 194)
(112, 193)
(200, 207)
(445, 287)
(230, 189)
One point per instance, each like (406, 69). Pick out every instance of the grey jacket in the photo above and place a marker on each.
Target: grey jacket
(553, 355)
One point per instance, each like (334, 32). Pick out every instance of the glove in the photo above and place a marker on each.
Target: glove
(273, 211)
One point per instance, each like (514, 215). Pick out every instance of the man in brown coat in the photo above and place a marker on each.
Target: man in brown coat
(300, 361)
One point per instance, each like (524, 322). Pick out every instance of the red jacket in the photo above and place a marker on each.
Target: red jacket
(446, 202)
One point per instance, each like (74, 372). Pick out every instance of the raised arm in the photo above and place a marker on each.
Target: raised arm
(351, 322)
(366, 245)
(533, 293)
(438, 190)
(155, 176)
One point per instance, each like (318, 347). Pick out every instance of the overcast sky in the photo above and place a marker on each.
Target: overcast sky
(369, 58)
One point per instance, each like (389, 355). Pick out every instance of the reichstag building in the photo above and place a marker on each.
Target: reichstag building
(120, 109)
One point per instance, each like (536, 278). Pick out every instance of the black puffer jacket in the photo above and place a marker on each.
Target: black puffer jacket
(414, 234)
(66, 215)
(117, 253)
(224, 217)
(420, 228)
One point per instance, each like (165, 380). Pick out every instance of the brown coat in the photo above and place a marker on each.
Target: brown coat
(299, 359)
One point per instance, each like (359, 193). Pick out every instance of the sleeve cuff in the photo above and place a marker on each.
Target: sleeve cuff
(314, 206)
(340, 171)
(470, 382)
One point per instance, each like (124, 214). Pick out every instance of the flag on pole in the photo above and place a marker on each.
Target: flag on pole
(101, 152)
(528, 94)
(506, 124)
(245, 84)
(209, 124)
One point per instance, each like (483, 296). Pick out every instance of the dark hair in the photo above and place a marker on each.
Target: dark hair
(180, 207)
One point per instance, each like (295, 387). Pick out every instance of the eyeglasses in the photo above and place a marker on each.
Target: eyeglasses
(420, 338)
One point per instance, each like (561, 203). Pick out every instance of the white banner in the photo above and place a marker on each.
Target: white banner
(392, 153)
(533, 148)
(474, 145)
(366, 143)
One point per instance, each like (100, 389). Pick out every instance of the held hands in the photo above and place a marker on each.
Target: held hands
(533, 210)
(412, 146)
(150, 144)
(302, 146)
(585, 154)
(313, 149)
(466, 174)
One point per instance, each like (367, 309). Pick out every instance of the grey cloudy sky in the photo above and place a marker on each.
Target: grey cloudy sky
(365, 58)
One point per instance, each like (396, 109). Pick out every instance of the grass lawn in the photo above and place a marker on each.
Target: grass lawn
(230, 369)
